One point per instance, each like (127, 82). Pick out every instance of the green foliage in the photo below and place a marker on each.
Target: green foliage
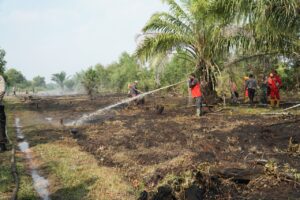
(175, 71)
(116, 76)
(126, 69)
(216, 34)
(290, 75)
(16, 78)
(192, 30)
(70, 84)
(89, 81)
(59, 79)
(38, 81)
(2, 61)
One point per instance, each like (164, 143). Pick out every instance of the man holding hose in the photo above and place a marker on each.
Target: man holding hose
(195, 88)
(133, 91)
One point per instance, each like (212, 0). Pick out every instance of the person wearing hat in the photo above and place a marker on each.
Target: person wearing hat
(3, 139)
(133, 91)
(195, 88)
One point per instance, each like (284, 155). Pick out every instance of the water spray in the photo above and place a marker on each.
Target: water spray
(88, 117)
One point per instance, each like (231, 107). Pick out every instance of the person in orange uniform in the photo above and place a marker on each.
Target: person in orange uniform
(274, 85)
(195, 88)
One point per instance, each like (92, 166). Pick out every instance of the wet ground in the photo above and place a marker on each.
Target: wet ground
(236, 153)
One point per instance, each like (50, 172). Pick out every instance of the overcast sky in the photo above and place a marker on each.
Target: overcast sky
(42, 37)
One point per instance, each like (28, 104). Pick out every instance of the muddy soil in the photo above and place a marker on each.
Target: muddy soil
(222, 155)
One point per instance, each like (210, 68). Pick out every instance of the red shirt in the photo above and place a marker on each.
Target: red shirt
(195, 88)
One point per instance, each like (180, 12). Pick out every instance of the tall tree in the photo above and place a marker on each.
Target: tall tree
(193, 31)
(59, 79)
(89, 81)
(38, 81)
(15, 78)
(274, 25)
(212, 33)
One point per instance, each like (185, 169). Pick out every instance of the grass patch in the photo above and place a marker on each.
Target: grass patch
(26, 189)
(6, 179)
(76, 174)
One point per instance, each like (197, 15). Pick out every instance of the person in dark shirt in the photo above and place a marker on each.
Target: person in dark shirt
(133, 89)
(251, 85)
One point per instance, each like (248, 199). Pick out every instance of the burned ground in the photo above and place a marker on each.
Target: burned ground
(175, 148)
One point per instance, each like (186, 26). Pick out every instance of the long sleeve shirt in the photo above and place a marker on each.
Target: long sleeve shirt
(251, 84)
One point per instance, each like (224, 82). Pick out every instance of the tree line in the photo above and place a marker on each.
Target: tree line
(218, 40)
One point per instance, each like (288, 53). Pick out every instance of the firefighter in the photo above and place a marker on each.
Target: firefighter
(274, 85)
(195, 88)
(3, 139)
(133, 91)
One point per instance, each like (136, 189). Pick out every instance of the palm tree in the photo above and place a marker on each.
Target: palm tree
(59, 79)
(275, 25)
(192, 31)
(213, 33)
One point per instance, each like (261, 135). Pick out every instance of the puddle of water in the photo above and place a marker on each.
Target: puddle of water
(40, 183)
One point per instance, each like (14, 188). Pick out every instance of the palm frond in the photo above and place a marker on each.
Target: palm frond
(161, 43)
(164, 22)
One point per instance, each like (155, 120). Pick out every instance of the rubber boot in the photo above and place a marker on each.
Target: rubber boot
(198, 112)
(272, 103)
(277, 103)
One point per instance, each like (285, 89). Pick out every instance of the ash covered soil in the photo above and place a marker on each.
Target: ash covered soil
(236, 153)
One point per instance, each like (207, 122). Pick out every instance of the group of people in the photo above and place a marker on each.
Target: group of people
(270, 87)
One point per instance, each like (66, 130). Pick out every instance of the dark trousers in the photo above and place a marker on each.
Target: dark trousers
(251, 94)
(3, 138)
(198, 102)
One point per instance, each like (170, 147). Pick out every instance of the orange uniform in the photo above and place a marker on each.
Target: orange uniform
(274, 84)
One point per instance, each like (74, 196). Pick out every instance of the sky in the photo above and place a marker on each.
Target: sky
(42, 37)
